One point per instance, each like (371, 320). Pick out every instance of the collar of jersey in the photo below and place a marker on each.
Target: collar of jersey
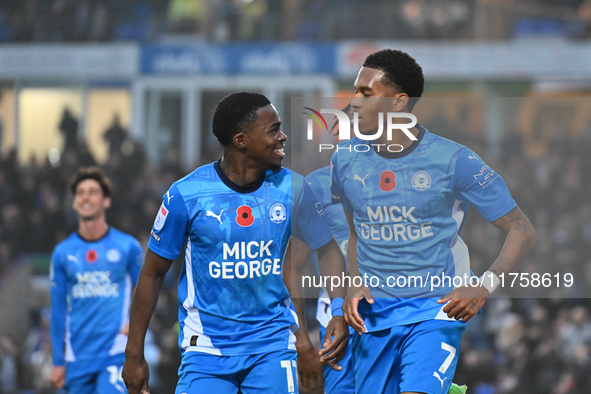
(94, 240)
(237, 188)
(397, 155)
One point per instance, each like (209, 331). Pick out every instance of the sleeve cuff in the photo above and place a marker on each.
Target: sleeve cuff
(336, 307)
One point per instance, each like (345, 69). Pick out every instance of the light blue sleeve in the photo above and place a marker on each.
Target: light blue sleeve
(170, 226)
(59, 307)
(336, 184)
(482, 186)
(311, 225)
(319, 182)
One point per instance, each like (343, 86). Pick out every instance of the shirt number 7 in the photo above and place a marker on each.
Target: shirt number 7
(449, 358)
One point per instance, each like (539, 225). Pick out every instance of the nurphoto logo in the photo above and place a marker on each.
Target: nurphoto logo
(344, 129)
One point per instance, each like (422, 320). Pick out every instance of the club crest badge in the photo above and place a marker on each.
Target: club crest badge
(421, 180)
(113, 256)
(277, 213)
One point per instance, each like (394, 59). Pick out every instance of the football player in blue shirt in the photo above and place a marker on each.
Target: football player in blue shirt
(405, 208)
(316, 376)
(92, 274)
(234, 219)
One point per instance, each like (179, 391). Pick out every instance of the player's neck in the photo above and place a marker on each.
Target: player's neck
(239, 171)
(92, 230)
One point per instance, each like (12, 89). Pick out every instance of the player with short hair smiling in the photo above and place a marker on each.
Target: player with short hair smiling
(234, 217)
(92, 273)
(404, 222)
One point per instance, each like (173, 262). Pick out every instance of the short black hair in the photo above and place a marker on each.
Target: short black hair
(236, 112)
(95, 173)
(401, 70)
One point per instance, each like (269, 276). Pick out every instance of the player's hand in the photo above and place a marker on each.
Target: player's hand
(351, 305)
(335, 342)
(58, 376)
(136, 375)
(464, 302)
(310, 370)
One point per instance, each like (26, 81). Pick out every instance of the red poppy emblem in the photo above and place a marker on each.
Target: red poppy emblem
(387, 181)
(244, 216)
(91, 256)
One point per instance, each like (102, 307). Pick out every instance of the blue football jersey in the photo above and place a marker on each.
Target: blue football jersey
(319, 181)
(91, 285)
(408, 210)
(232, 300)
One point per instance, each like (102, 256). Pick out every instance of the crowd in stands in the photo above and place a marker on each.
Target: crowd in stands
(517, 345)
(266, 20)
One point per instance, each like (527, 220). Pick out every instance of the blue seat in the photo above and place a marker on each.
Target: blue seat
(541, 27)
(5, 33)
(132, 31)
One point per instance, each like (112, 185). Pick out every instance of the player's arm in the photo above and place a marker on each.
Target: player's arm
(331, 263)
(465, 302)
(521, 237)
(59, 307)
(312, 227)
(134, 265)
(486, 190)
(354, 294)
(135, 369)
(309, 365)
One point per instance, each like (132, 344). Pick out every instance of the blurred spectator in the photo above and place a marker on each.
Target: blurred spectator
(37, 355)
(253, 13)
(575, 332)
(82, 20)
(68, 126)
(61, 19)
(100, 26)
(228, 21)
(1, 129)
(28, 24)
(115, 136)
(8, 366)
(41, 366)
(187, 16)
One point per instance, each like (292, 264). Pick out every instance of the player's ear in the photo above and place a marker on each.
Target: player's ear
(107, 202)
(400, 102)
(239, 140)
